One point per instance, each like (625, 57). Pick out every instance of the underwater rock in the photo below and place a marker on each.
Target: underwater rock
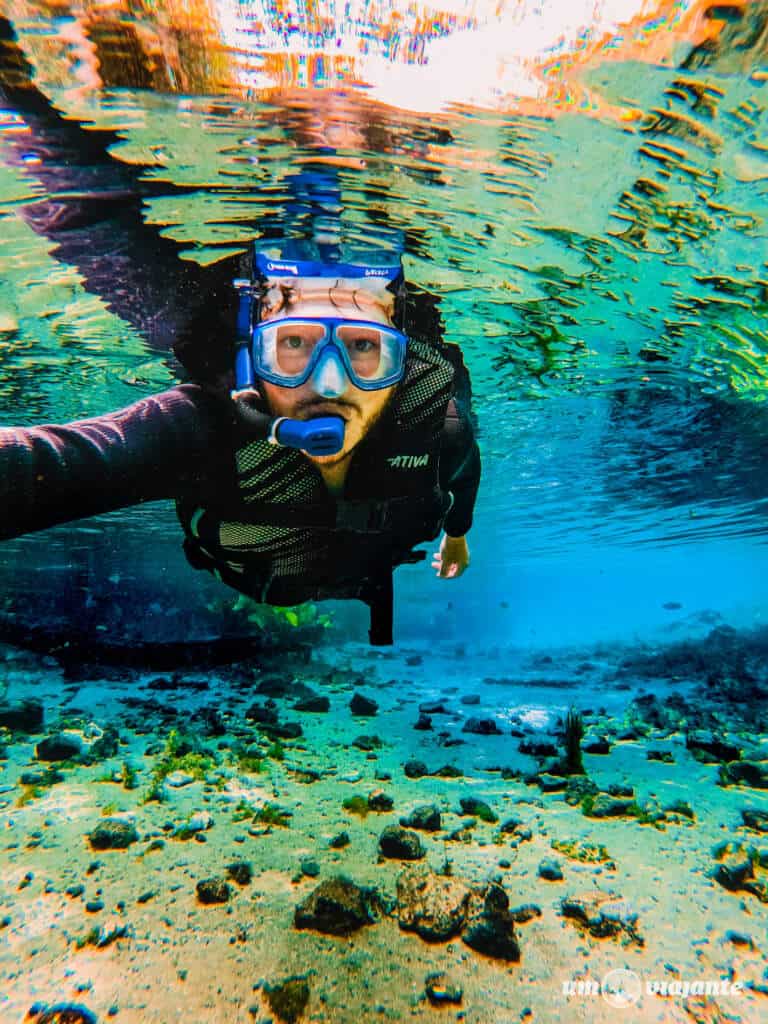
(339, 841)
(607, 806)
(538, 748)
(756, 819)
(26, 716)
(745, 773)
(213, 723)
(284, 730)
(106, 745)
(709, 748)
(491, 927)
(655, 754)
(578, 787)
(49, 777)
(478, 808)
(273, 686)
(199, 822)
(525, 913)
(595, 744)
(415, 769)
(59, 747)
(400, 844)
(366, 742)
(423, 723)
(262, 713)
(309, 867)
(426, 817)
(441, 992)
(379, 801)
(113, 834)
(336, 907)
(213, 890)
(434, 906)
(317, 705)
(470, 698)
(741, 869)
(510, 825)
(434, 707)
(482, 727)
(549, 783)
(448, 771)
(550, 870)
(603, 915)
(240, 871)
(360, 705)
(178, 779)
(59, 1013)
(414, 659)
(621, 789)
(288, 999)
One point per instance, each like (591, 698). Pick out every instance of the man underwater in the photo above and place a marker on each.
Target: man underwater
(325, 430)
(339, 448)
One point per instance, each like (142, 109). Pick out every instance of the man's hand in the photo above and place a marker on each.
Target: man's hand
(452, 558)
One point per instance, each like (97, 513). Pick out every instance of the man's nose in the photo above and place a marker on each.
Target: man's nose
(329, 378)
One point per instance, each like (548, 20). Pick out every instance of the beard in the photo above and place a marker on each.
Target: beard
(364, 427)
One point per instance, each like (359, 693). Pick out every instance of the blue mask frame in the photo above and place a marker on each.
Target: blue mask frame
(247, 324)
(263, 372)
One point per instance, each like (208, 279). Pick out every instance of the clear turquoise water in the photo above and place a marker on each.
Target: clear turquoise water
(605, 278)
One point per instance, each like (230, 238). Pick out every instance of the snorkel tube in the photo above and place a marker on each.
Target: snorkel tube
(322, 435)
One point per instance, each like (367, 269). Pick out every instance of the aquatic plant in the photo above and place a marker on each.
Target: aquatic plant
(271, 814)
(277, 751)
(171, 759)
(574, 731)
(250, 763)
(108, 809)
(585, 853)
(356, 805)
(284, 626)
(243, 810)
(129, 776)
(28, 794)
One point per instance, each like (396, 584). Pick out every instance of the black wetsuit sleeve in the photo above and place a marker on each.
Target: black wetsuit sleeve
(459, 472)
(159, 447)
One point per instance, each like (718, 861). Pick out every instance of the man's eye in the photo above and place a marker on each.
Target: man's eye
(293, 341)
(362, 345)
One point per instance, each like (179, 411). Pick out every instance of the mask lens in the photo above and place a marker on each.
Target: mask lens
(371, 350)
(287, 348)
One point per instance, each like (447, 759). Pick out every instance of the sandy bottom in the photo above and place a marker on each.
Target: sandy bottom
(184, 961)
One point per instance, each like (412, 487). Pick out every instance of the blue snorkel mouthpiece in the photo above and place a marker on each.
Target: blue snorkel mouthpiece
(322, 435)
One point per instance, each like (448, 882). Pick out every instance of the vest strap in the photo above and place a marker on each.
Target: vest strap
(363, 516)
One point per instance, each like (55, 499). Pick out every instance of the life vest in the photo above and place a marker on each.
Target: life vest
(278, 536)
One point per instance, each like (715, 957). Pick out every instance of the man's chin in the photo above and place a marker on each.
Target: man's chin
(331, 460)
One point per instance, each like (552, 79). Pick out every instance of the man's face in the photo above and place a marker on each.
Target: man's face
(329, 391)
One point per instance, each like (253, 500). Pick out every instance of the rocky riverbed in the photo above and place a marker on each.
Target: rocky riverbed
(375, 835)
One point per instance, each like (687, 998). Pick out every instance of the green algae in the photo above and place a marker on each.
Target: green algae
(585, 853)
(356, 805)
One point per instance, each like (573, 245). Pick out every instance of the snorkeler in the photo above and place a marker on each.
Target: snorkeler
(325, 429)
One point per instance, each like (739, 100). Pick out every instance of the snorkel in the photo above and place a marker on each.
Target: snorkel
(322, 435)
(334, 351)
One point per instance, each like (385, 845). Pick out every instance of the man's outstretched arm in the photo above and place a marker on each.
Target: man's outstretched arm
(156, 448)
(92, 209)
